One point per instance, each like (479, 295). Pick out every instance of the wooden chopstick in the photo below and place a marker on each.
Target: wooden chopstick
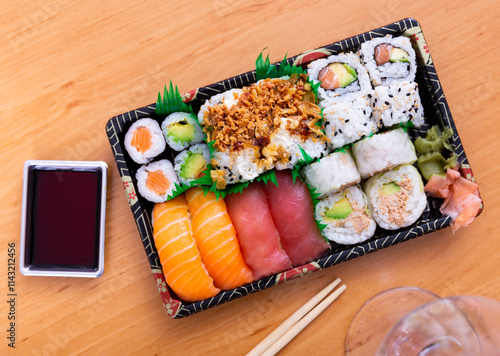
(284, 333)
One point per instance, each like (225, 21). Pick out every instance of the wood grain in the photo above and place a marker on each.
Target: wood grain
(68, 66)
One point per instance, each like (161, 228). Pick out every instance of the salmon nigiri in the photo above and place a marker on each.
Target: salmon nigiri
(216, 239)
(179, 256)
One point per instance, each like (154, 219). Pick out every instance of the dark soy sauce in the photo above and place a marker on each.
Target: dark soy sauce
(63, 219)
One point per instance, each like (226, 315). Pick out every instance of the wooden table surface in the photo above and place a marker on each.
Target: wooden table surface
(69, 66)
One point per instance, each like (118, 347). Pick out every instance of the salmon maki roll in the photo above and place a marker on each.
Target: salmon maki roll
(179, 255)
(144, 140)
(156, 181)
(216, 239)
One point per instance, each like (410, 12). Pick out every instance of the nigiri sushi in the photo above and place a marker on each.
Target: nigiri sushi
(259, 239)
(216, 240)
(292, 210)
(179, 256)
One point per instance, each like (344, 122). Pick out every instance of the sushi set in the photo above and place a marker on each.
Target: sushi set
(291, 168)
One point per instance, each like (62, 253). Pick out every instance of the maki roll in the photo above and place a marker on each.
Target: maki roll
(396, 198)
(191, 162)
(389, 60)
(332, 173)
(155, 181)
(181, 130)
(346, 216)
(383, 151)
(397, 103)
(342, 76)
(343, 95)
(144, 140)
(348, 122)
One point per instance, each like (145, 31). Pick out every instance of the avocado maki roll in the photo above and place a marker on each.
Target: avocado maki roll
(191, 162)
(181, 129)
(346, 216)
(396, 198)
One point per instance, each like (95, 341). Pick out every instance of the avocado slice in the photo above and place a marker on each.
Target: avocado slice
(340, 210)
(181, 132)
(398, 55)
(351, 70)
(390, 188)
(345, 73)
(193, 165)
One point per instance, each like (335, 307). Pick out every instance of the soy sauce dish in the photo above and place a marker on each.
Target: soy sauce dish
(63, 216)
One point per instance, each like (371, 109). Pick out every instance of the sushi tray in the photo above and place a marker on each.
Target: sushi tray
(328, 151)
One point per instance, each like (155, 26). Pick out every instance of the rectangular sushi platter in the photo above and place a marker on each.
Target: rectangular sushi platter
(436, 113)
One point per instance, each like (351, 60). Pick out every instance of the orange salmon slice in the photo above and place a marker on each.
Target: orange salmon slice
(179, 256)
(157, 182)
(382, 53)
(142, 139)
(328, 78)
(216, 239)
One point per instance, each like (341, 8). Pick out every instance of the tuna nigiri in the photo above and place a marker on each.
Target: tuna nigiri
(257, 234)
(216, 240)
(293, 214)
(179, 256)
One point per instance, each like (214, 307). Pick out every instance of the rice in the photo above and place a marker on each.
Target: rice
(347, 122)
(389, 73)
(383, 151)
(181, 130)
(397, 103)
(396, 198)
(157, 141)
(356, 227)
(167, 170)
(332, 173)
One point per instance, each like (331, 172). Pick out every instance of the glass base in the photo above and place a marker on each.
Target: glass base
(378, 315)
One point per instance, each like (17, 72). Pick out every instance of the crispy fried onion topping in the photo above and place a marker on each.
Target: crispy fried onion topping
(257, 114)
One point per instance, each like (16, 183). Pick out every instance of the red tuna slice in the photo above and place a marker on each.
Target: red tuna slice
(293, 214)
(259, 240)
